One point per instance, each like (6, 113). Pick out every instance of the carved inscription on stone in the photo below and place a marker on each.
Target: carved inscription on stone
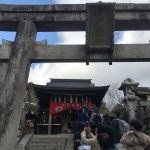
(99, 25)
(97, 34)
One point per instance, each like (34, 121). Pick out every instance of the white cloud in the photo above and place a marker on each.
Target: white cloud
(71, 37)
(135, 37)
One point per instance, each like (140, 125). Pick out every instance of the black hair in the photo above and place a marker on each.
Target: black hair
(97, 118)
(147, 147)
(117, 113)
(106, 117)
(104, 140)
(136, 124)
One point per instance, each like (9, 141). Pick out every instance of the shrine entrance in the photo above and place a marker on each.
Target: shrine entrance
(63, 104)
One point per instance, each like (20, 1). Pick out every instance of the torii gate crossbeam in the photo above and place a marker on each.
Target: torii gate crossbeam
(72, 17)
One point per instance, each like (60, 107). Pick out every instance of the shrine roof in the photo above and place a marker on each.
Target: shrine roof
(71, 83)
(44, 92)
(65, 88)
(142, 90)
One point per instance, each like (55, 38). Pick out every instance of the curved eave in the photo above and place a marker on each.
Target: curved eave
(44, 92)
(97, 88)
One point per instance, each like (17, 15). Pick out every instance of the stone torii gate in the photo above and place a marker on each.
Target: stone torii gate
(99, 20)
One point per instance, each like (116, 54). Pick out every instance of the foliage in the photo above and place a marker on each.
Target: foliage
(31, 100)
(104, 109)
(118, 108)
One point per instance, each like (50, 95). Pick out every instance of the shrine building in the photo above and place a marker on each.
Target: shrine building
(60, 101)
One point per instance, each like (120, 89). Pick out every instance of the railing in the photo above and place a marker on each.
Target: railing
(42, 124)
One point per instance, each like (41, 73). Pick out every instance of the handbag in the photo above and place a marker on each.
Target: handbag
(84, 147)
(120, 146)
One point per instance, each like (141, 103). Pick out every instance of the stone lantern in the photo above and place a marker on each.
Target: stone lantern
(128, 86)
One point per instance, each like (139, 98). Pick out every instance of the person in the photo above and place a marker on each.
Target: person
(106, 119)
(104, 141)
(95, 111)
(101, 140)
(106, 129)
(118, 126)
(147, 147)
(147, 120)
(83, 116)
(77, 141)
(97, 120)
(88, 138)
(135, 139)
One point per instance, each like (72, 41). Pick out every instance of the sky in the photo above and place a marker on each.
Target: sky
(102, 74)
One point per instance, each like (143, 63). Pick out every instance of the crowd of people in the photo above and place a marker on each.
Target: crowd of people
(111, 133)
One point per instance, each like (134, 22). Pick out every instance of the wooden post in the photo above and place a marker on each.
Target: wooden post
(49, 124)
(13, 86)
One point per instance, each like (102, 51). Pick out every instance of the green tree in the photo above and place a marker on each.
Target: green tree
(31, 100)
(118, 108)
(104, 109)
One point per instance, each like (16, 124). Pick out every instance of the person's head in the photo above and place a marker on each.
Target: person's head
(117, 114)
(101, 128)
(106, 117)
(104, 140)
(98, 118)
(147, 147)
(136, 124)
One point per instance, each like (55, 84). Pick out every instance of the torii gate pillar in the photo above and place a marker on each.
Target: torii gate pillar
(13, 85)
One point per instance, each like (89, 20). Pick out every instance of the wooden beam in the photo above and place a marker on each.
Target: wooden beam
(71, 17)
(77, 53)
(13, 86)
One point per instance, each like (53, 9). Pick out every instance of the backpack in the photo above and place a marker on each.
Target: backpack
(123, 126)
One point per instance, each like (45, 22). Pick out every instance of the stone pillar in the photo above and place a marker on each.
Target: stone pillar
(132, 108)
(14, 84)
(3, 69)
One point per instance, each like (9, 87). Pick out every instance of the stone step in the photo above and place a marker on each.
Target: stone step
(46, 143)
(51, 142)
(41, 144)
(45, 147)
(53, 136)
(48, 148)
(48, 140)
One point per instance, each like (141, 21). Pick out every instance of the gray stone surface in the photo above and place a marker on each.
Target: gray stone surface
(23, 142)
(13, 86)
(77, 53)
(51, 142)
(72, 17)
